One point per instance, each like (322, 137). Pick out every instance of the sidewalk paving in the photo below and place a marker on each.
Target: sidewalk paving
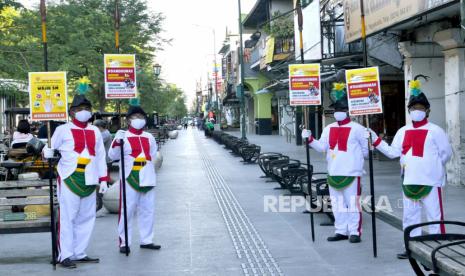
(210, 220)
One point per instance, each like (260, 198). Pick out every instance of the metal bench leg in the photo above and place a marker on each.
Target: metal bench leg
(416, 267)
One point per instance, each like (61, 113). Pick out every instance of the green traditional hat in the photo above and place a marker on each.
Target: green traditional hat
(134, 108)
(82, 88)
(416, 95)
(339, 97)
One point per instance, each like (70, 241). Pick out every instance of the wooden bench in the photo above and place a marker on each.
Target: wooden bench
(23, 193)
(442, 253)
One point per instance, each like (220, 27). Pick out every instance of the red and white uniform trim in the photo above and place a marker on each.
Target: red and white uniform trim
(424, 150)
(137, 144)
(346, 149)
(77, 215)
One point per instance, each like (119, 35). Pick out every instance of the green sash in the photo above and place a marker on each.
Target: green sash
(133, 180)
(340, 182)
(416, 192)
(77, 184)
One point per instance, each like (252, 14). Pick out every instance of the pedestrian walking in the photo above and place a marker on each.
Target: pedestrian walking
(346, 147)
(424, 150)
(140, 150)
(81, 167)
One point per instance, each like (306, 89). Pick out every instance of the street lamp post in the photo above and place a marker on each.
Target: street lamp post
(157, 70)
(241, 86)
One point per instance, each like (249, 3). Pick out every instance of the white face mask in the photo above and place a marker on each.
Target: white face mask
(138, 123)
(83, 116)
(417, 115)
(340, 116)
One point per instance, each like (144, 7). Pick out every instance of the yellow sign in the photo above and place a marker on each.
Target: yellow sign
(120, 76)
(269, 50)
(364, 91)
(48, 96)
(304, 84)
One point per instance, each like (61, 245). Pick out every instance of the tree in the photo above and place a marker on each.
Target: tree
(79, 33)
(9, 3)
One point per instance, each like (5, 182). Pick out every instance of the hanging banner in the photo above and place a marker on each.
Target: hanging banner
(48, 99)
(120, 76)
(364, 91)
(304, 84)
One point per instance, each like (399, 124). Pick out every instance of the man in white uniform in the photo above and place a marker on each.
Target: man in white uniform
(81, 167)
(424, 150)
(140, 150)
(346, 147)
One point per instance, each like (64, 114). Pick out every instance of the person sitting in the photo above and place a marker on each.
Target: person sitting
(22, 135)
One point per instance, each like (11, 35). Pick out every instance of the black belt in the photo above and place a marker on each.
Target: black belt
(139, 164)
(81, 166)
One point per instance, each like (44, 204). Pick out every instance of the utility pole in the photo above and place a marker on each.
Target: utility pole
(241, 86)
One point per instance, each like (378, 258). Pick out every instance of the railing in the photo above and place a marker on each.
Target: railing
(288, 131)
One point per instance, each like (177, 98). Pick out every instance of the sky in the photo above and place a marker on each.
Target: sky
(190, 25)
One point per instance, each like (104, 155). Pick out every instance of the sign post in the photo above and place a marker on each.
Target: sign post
(48, 101)
(121, 83)
(364, 97)
(305, 90)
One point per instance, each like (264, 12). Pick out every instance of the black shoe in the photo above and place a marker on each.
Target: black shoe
(88, 259)
(67, 263)
(337, 237)
(151, 246)
(402, 256)
(354, 239)
(123, 250)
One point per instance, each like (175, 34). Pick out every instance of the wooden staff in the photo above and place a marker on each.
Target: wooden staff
(43, 15)
(300, 20)
(370, 147)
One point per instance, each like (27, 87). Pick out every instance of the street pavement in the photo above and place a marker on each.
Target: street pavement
(210, 219)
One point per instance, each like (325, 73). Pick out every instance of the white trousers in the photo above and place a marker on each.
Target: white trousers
(143, 205)
(432, 204)
(345, 204)
(76, 219)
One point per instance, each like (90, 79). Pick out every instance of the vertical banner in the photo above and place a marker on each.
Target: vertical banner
(364, 91)
(304, 84)
(48, 99)
(120, 76)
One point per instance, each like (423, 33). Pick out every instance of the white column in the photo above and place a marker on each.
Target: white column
(454, 59)
(426, 59)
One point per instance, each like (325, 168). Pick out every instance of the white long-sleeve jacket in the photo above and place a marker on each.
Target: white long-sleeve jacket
(346, 148)
(424, 150)
(72, 142)
(137, 144)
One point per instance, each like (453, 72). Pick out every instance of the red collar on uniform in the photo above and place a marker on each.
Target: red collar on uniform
(79, 124)
(420, 123)
(135, 131)
(344, 122)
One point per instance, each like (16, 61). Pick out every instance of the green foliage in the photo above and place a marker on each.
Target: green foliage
(9, 3)
(79, 33)
(280, 26)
